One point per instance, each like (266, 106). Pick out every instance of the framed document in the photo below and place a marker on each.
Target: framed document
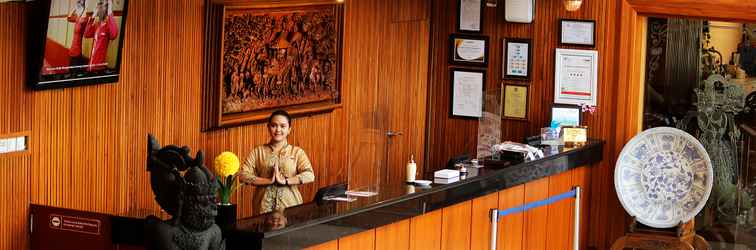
(469, 15)
(577, 32)
(515, 102)
(576, 77)
(467, 86)
(468, 50)
(565, 115)
(516, 58)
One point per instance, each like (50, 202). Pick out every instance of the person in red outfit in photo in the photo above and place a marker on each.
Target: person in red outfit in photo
(79, 19)
(102, 27)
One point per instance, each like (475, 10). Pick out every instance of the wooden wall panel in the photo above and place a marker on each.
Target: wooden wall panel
(455, 226)
(582, 177)
(535, 219)
(559, 224)
(15, 103)
(360, 241)
(480, 232)
(88, 143)
(331, 245)
(395, 236)
(15, 119)
(14, 210)
(511, 227)
(425, 231)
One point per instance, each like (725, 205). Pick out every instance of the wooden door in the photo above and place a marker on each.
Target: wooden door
(404, 84)
(387, 118)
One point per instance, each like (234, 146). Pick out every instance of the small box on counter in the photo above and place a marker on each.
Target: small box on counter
(446, 173)
(445, 180)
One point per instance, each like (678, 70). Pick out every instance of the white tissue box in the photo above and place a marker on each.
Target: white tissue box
(446, 180)
(446, 173)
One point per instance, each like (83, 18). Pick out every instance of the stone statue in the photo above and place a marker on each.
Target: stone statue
(189, 199)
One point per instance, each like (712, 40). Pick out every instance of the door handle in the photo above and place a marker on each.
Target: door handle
(393, 133)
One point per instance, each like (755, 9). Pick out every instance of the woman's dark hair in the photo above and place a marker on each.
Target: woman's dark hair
(281, 113)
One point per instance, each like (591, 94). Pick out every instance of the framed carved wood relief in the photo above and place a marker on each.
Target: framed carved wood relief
(266, 57)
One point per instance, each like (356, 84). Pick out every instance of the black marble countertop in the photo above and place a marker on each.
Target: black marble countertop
(310, 224)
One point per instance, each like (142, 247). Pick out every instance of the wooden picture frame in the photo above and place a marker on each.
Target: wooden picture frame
(573, 32)
(252, 70)
(515, 103)
(467, 103)
(515, 59)
(468, 50)
(469, 26)
(565, 114)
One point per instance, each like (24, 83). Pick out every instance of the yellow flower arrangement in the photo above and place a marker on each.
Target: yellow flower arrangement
(226, 165)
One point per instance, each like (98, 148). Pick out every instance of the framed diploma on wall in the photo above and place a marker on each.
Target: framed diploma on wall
(576, 77)
(577, 32)
(468, 50)
(515, 102)
(516, 58)
(467, 86)
(470, 16)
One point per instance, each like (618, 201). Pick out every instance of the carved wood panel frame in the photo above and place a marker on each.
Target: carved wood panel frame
(285, 92)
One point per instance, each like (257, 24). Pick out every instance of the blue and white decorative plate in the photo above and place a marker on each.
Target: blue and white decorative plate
(663, 177)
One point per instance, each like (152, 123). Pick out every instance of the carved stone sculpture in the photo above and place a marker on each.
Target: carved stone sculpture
(185, 189)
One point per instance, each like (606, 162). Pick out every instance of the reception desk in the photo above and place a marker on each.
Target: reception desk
(400, 216)
(453, 216)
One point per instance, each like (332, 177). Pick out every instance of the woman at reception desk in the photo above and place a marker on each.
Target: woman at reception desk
(277, 168)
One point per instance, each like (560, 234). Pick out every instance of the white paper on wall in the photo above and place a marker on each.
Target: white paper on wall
(519, 11)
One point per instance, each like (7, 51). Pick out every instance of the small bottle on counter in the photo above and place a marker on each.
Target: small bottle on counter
(411, 170)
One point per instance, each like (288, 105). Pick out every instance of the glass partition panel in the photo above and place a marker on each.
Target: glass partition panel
(489, 124)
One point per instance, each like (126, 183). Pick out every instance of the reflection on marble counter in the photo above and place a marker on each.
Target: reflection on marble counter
(311, 223)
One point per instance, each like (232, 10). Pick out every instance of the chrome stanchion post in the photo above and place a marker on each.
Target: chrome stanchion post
(494, 227)
(576, 240)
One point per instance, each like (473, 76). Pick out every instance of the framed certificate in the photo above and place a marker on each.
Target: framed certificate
(467, 86)
(469, 15)
(515, 102)
(576, 77)
(577, 32)
(516, 58)
(565, 115)
(468, 50)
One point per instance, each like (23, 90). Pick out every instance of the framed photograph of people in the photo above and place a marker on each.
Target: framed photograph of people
(468, 50)
(516, 58)
(577, 32)
(576, 77)
(470, 15)
(565, 115)
(467, 86)
(515, 102)
(73, 43)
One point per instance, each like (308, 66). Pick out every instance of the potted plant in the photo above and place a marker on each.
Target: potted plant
(226, 165)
